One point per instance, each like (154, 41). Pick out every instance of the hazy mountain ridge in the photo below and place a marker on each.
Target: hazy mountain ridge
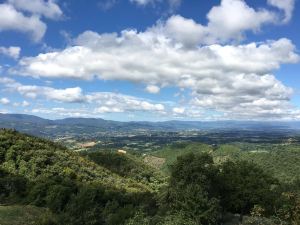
(45, 127)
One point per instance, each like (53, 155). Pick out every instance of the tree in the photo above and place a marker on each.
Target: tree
(243, 184)
(191, 189)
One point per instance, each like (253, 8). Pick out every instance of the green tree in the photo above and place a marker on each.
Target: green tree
(191, 188)
(243, 184)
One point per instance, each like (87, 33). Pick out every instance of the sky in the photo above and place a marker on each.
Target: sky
(151, 60)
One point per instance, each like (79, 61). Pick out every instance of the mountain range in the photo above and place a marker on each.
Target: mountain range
(51, 128)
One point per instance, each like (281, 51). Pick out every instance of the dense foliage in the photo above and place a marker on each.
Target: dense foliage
(281, 160)
(109, 188)
(129, 166)
(39, 172)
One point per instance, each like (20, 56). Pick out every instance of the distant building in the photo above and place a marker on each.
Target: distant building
(120, 151)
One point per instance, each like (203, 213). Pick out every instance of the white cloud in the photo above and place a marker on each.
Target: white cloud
(178, 110)
(11, 19)
(100, 102)
(12, 51)
(67, 95)
(145, 57)
(47, 8)
(184, 31)
(25, 103)
(153, 89)
(228, 21)
(113, 102)
(228, 80)
(25, 16)
(221, 77)
(22, 104)
(4, 101)
(64, 95)
(247, 96)
(286, 5)
(233, 17)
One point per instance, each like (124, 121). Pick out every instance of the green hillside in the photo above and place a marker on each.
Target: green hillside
(128, 166)
(43, 183)
(39, 172)
(36, 158)
(280, 160)
(171, 152)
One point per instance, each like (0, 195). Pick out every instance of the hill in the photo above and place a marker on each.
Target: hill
(129, 166)
(281, 160)
(43, 183)
(77, 190)
(35, 158)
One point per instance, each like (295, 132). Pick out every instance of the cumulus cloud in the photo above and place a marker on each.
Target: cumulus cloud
(221, 77)
(114, 102)
(145, 57)
(47, 8)
(178, 110)
(229, 80)
(12, 51)
(67, 95)
(4, 101)
(182, 30)
(11, 19)
(25, 16)
(233, 17)
(248, 96)
(226, 22)
(101, 102)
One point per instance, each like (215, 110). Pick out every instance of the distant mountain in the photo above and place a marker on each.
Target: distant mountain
(78, 126)
(23, 118)
(25, 123)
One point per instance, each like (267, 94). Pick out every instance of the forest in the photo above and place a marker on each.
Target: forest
(44, 183)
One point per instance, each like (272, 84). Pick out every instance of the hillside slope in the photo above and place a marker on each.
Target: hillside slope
(43, 181)
(280, 160)
(78, 191)
(36, 158)
(171, 152)
(129, 166)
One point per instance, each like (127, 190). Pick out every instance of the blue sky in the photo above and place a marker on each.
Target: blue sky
(151, 59)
